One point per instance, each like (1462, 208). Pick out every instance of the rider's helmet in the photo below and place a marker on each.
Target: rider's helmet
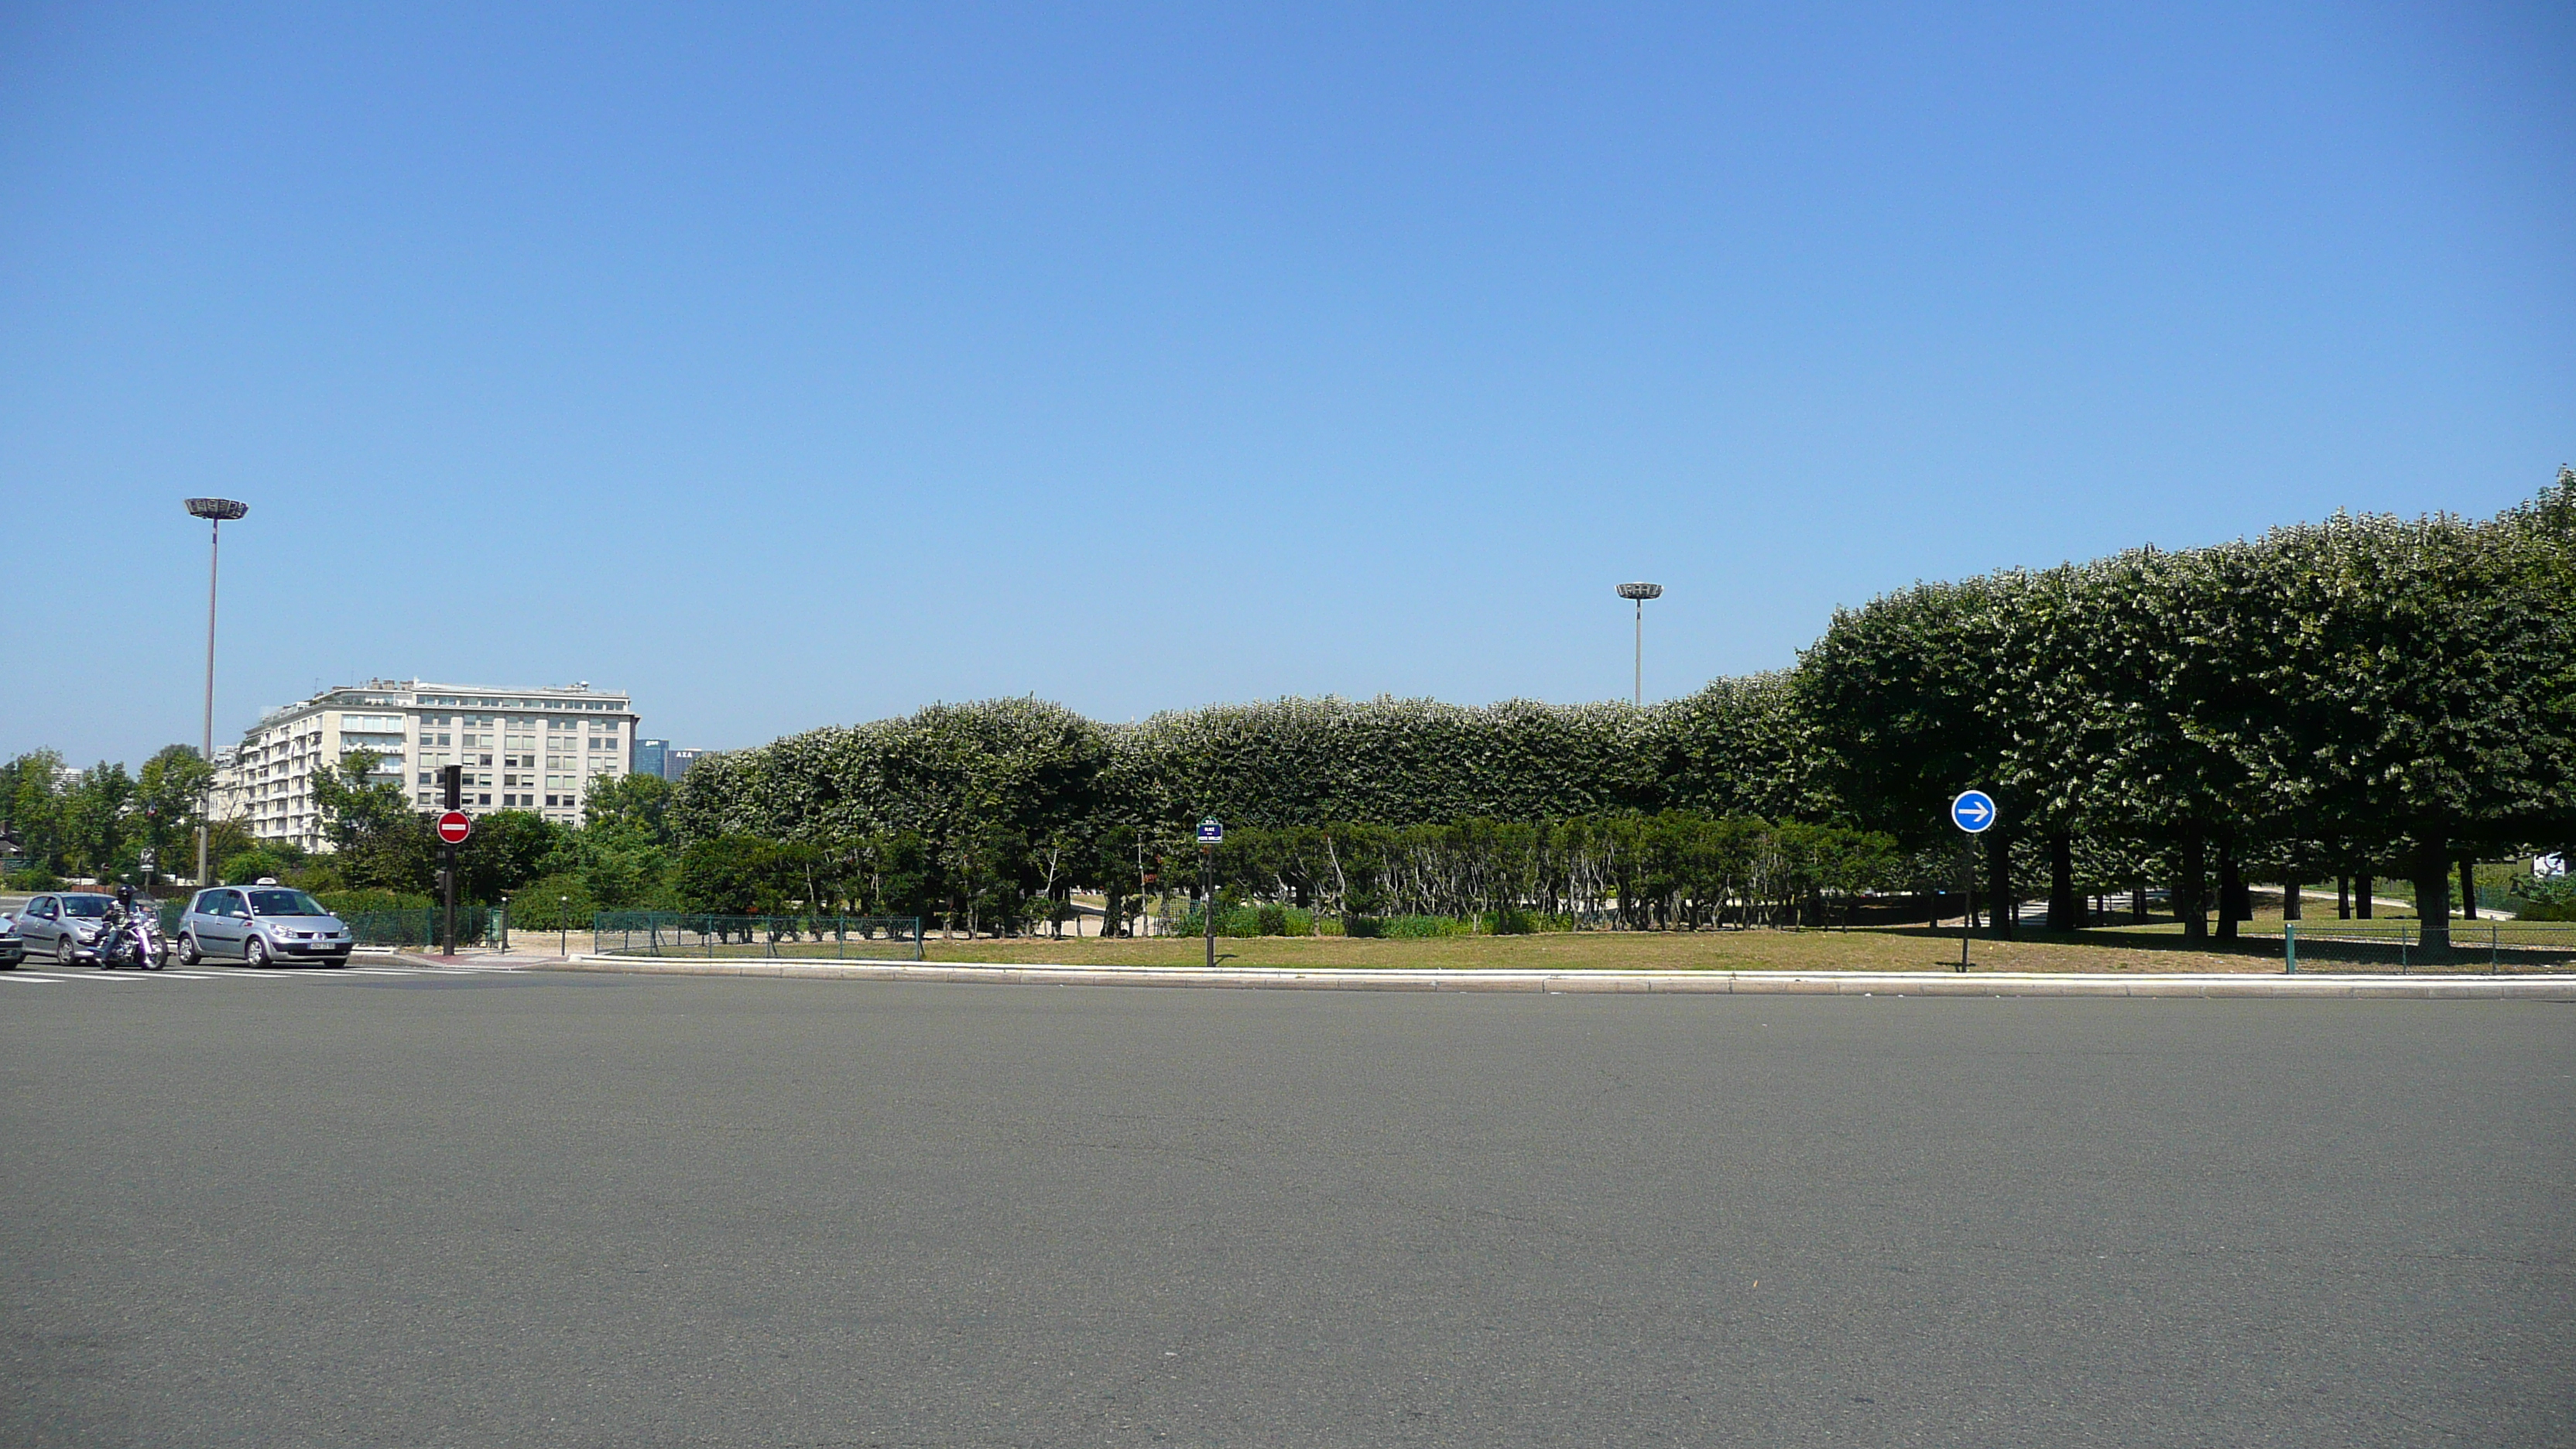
(124, 895)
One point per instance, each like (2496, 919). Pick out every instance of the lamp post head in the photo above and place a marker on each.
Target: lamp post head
(1641, 591)
(222, 510)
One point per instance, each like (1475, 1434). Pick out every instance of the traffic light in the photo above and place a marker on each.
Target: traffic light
(451, 782)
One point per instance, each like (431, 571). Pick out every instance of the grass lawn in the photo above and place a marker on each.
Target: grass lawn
(1896, 949)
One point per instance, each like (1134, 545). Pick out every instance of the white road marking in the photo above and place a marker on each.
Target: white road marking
(30, 980)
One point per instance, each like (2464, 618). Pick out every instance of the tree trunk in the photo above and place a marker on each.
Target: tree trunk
(2432, 872)
(2191, 886)
(2231, 891)
(2343, 898)
(1999, 887)
(2065, 908)
(2363, 887)
(2138, 903)
(2468, 888)
(2292, 897)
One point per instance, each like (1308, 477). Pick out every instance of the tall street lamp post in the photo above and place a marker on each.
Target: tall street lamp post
(214, 511)
(1641, 593)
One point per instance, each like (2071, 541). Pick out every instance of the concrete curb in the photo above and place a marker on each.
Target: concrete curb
(1802, 983)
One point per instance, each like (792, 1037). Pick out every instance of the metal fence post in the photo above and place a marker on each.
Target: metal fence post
(2290, 948)
(916, 938)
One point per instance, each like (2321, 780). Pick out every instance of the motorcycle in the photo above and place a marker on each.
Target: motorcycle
(134, 941)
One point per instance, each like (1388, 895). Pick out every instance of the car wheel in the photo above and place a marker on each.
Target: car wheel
(189, 954)
(255, 954)
(64, 951)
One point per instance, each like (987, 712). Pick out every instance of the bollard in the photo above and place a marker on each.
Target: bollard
(2289, 948)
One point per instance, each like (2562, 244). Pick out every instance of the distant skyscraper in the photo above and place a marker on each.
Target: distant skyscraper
(658, 759)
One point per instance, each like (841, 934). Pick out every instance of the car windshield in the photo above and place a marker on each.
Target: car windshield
(284, 903)
(84, 905)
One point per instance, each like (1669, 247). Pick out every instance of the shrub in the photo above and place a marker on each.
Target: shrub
(1406, 928)
(1245, 922)
(342, 903)
(553, 903)
(1514, 921)
(2543, 898)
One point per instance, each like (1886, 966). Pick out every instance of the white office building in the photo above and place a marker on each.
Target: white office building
(538, 750)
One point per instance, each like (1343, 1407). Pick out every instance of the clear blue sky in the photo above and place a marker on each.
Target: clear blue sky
(790, 366)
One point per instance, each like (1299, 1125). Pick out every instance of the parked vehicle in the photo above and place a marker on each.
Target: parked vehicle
(261, 925)
(131, 936)
(64, 926)
(13, 947)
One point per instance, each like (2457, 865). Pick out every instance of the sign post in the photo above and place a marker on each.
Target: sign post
(1974, 812)
(453, 827)
(1211, 835)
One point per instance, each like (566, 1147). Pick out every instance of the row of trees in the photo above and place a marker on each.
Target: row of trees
(102, 822)
(2366, 694)
(2362, 694)
(1674, 869)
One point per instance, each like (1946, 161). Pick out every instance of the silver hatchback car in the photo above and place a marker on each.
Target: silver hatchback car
(64, 926)
(261, 925)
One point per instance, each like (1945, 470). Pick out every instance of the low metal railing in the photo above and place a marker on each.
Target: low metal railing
(2498, 945)
(780, 937)
(475, 926)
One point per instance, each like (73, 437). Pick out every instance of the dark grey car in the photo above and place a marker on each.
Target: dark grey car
(261, 925)
(63, 927)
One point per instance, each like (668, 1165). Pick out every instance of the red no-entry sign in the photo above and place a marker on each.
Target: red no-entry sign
(453, 827)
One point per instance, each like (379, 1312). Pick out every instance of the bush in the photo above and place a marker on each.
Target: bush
(1407, 928)
(38, 879)
(1513, 921)
(342, 903)
(1246, 922)
(2543, 898)
(553, 903)
(250, 865)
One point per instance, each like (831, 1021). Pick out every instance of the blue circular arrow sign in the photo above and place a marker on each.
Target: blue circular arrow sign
(1973, 811)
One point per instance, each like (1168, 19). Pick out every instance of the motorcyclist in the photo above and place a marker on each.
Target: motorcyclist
(123, 919)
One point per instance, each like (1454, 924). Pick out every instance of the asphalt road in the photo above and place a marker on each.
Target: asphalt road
(597, 1210)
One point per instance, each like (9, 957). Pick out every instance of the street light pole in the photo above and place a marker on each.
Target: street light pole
(1641, 593)
(214, 511)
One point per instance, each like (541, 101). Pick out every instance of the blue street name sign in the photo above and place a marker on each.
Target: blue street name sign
(1973, 811)
(1210, 832)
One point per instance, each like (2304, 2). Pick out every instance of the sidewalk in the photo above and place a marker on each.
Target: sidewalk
(1813, 983)
(472, 956)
